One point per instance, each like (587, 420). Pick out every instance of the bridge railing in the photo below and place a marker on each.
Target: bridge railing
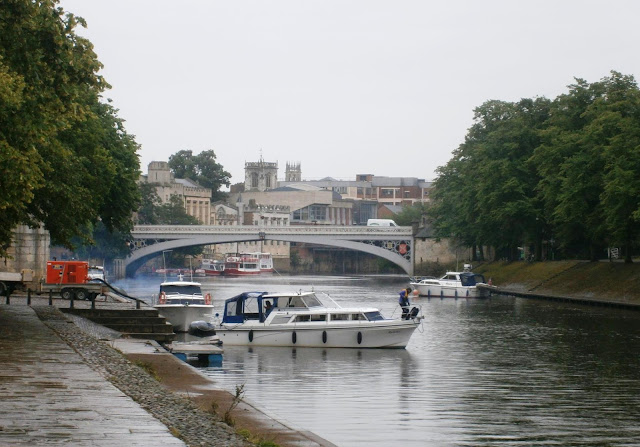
(142, 230)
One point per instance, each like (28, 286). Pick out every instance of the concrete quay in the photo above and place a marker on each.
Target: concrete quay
(66, 380)
(49, 395)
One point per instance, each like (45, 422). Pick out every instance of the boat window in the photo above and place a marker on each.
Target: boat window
(478, 278)
(374, 316)
(339, 317)
(232, 308)
(450, 277)
(357, 317)
(184, 290)
(302, 318)
(184, 301)
(322, 317)
(281, 319)
(251, 309)
(312, 301)
(469, 279)
(296, 301)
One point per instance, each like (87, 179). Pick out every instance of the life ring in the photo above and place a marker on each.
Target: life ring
(162, 298)
(207, 298)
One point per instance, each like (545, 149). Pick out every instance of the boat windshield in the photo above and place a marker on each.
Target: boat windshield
(171, 289)
(373, 316)
(298, 301)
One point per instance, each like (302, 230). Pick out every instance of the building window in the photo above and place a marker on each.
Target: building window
(254, 180)
(268, 181)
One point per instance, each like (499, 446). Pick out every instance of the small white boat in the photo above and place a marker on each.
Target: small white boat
(452, 285)
(301, 320)
(182, 302)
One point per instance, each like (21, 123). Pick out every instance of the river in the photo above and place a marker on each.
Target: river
(502, 371)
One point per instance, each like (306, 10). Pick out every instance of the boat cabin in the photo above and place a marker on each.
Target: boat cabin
(471, 279)
(289, 308)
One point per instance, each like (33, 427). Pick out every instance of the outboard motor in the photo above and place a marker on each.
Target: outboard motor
(414, 313)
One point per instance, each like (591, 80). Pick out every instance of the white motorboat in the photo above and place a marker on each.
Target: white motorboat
(182, 302)
(299, 319)
(452, 285)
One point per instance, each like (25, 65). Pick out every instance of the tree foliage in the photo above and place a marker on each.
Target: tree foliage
(66, 160)
(538, 172)
(202, 169)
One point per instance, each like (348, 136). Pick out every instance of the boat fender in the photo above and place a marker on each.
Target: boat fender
(456, 294)
(429, 293)
(294, 337)
(442, 294)
(162, 298)
(207, 298)
(324, 336)
(467, 293)
(359, 337)
(251, 335)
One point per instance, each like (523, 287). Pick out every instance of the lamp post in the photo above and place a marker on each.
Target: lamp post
(164, 263)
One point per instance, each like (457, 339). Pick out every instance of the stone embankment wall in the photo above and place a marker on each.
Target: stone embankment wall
(30, 250)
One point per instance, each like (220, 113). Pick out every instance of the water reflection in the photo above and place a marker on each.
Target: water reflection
(502, 371)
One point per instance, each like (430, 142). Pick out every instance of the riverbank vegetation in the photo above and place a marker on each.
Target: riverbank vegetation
(603, 281)
(559, 177)
(67, 161)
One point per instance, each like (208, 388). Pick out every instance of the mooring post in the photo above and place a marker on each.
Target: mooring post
(137, 304)
(8, 297)
(28, 297)
(50, 297)
(73, 295)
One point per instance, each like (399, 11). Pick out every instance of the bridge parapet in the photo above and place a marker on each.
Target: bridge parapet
(146, 231)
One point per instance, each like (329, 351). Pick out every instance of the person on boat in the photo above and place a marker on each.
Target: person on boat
(267, 308)
(404, 303)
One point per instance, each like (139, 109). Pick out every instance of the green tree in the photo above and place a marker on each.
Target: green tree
(66, 160)
(202, 169)
(410, 214)
(149, 203)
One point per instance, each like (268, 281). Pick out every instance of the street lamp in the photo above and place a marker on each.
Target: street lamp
(164, 263)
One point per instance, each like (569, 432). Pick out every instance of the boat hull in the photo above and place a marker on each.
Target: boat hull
(444, 291)
(392, 334)
(182, 315)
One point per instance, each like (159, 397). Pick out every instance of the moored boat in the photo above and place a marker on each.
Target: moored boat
(211, 267)
(453, 285)
(300, 319)
(182, 302)
(248, 264)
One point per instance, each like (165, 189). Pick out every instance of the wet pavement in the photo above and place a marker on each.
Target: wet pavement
(49, 395)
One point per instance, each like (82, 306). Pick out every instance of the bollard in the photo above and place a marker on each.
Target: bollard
(73, 295)
(28, 297)
(93, 301)
(137, 304)
(50, 297)
(8, 297)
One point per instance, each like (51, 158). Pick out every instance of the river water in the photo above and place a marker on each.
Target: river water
(502, 371)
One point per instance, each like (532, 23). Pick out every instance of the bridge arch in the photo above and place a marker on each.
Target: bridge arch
(383, 243)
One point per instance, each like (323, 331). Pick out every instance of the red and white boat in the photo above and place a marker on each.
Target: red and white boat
(248, 264)
(210, 267)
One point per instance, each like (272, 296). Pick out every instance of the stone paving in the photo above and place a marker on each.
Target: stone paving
(57, 387)
(49, 395)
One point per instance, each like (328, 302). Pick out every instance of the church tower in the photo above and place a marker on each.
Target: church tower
(260, 175)
(293, 172)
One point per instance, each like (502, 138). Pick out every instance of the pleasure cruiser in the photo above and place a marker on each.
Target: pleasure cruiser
(453, 285)
(182, 302)
(301, 320)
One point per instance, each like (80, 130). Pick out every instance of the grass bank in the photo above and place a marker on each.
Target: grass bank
(605, 281)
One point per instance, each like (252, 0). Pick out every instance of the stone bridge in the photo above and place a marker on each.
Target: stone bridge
(395, 244)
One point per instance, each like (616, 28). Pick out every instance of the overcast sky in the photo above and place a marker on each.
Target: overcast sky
(343, 87)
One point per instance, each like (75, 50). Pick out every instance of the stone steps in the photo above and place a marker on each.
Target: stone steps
(131, 323)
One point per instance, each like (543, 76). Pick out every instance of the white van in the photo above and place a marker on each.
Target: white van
(381, 223)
